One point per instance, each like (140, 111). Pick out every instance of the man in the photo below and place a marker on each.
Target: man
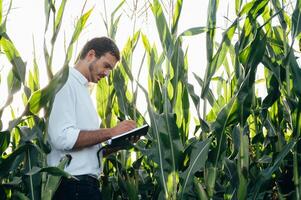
(74, 124)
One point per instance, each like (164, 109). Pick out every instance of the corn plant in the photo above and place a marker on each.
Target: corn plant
(248, 145)
(24, 173)
(244, 146)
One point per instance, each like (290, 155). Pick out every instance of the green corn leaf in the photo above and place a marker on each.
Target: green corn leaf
(32, 181)
(114, 22)
(58, 21)
(54, 177)
(231, 113)
(55, 171)
(179, 68)
(210, 96)
(162, 27)
(13, 83)
(246, 8)
(231, 173)
(78, 29)
(34, 77)
(117, 8)
(194, 31)
(266, 15)
(155, 78)
(146, 43)
(266, 174)
(80, 25)
(281, 16)
(250, 56)
(14, 183)
(272, 66)
(296, 73)
(1, 12)
(12, 161)
(48, 6)
(181, 109)
(200, 191)
(20, 195)
(167, 146)
(253, 8)
(211, 24)
(219, 57)
(211, 180)
(176, 16)
(3, 23)
(198, 157)
(243, 160)
(103, 91)
(296, 21)
(121, 90)
(127, 54)
(13, 56)
(114, 28)
(237, 6)
(258, 8)
(196, 100)
(227, 116)
(4, 141)
(44, 97)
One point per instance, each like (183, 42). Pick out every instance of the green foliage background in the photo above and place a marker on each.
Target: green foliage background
(242, 146)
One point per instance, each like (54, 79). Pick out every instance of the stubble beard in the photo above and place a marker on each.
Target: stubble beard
(91, 70)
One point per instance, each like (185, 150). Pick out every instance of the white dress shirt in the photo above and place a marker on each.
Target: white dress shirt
(71, 112)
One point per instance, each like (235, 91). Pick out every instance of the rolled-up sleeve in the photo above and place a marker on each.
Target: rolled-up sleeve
(62, 130)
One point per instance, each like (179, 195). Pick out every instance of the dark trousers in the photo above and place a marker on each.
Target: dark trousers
(87, 188)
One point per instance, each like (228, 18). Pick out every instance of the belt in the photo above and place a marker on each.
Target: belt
(84, 179)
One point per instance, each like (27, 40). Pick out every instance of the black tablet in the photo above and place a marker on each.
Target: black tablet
(124, 139)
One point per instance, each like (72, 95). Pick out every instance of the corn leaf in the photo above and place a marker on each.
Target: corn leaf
(198, 158)
(162, 27)
(78, 29)
(13, 56)
(176, 16)
(296, 21)
(1, 12)
(54, 177)
(58, 21)
(45, 96)
(48, 5)
(12, 161)
(4, 141)
(237, 6)
(266, 174)
(281, 15)
(194, 31)
(219, 57)
(211, 23)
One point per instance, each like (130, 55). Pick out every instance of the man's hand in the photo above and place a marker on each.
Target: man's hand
(123, 127)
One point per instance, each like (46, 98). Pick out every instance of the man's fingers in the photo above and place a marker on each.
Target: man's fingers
(130, 124)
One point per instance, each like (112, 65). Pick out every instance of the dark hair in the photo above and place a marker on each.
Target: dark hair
(101, 46)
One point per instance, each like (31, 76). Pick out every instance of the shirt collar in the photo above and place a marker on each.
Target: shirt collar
(79, 76)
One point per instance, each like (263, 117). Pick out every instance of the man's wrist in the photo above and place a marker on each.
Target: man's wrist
(105, 134)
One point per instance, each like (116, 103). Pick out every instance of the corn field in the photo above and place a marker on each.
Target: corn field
(224, 142)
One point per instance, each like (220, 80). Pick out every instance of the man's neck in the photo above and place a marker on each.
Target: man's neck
(82, 67)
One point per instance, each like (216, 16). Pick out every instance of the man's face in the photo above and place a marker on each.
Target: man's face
(101, 67)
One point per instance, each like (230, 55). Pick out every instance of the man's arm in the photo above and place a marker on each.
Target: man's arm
(89, 138)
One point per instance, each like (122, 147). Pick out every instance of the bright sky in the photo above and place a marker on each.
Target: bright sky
(26, 21)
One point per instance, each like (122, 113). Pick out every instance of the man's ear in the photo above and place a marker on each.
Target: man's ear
(90, 55)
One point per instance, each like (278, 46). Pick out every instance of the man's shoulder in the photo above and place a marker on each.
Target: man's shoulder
(68, 85)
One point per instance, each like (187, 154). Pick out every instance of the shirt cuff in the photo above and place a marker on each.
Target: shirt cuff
(71, 135)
